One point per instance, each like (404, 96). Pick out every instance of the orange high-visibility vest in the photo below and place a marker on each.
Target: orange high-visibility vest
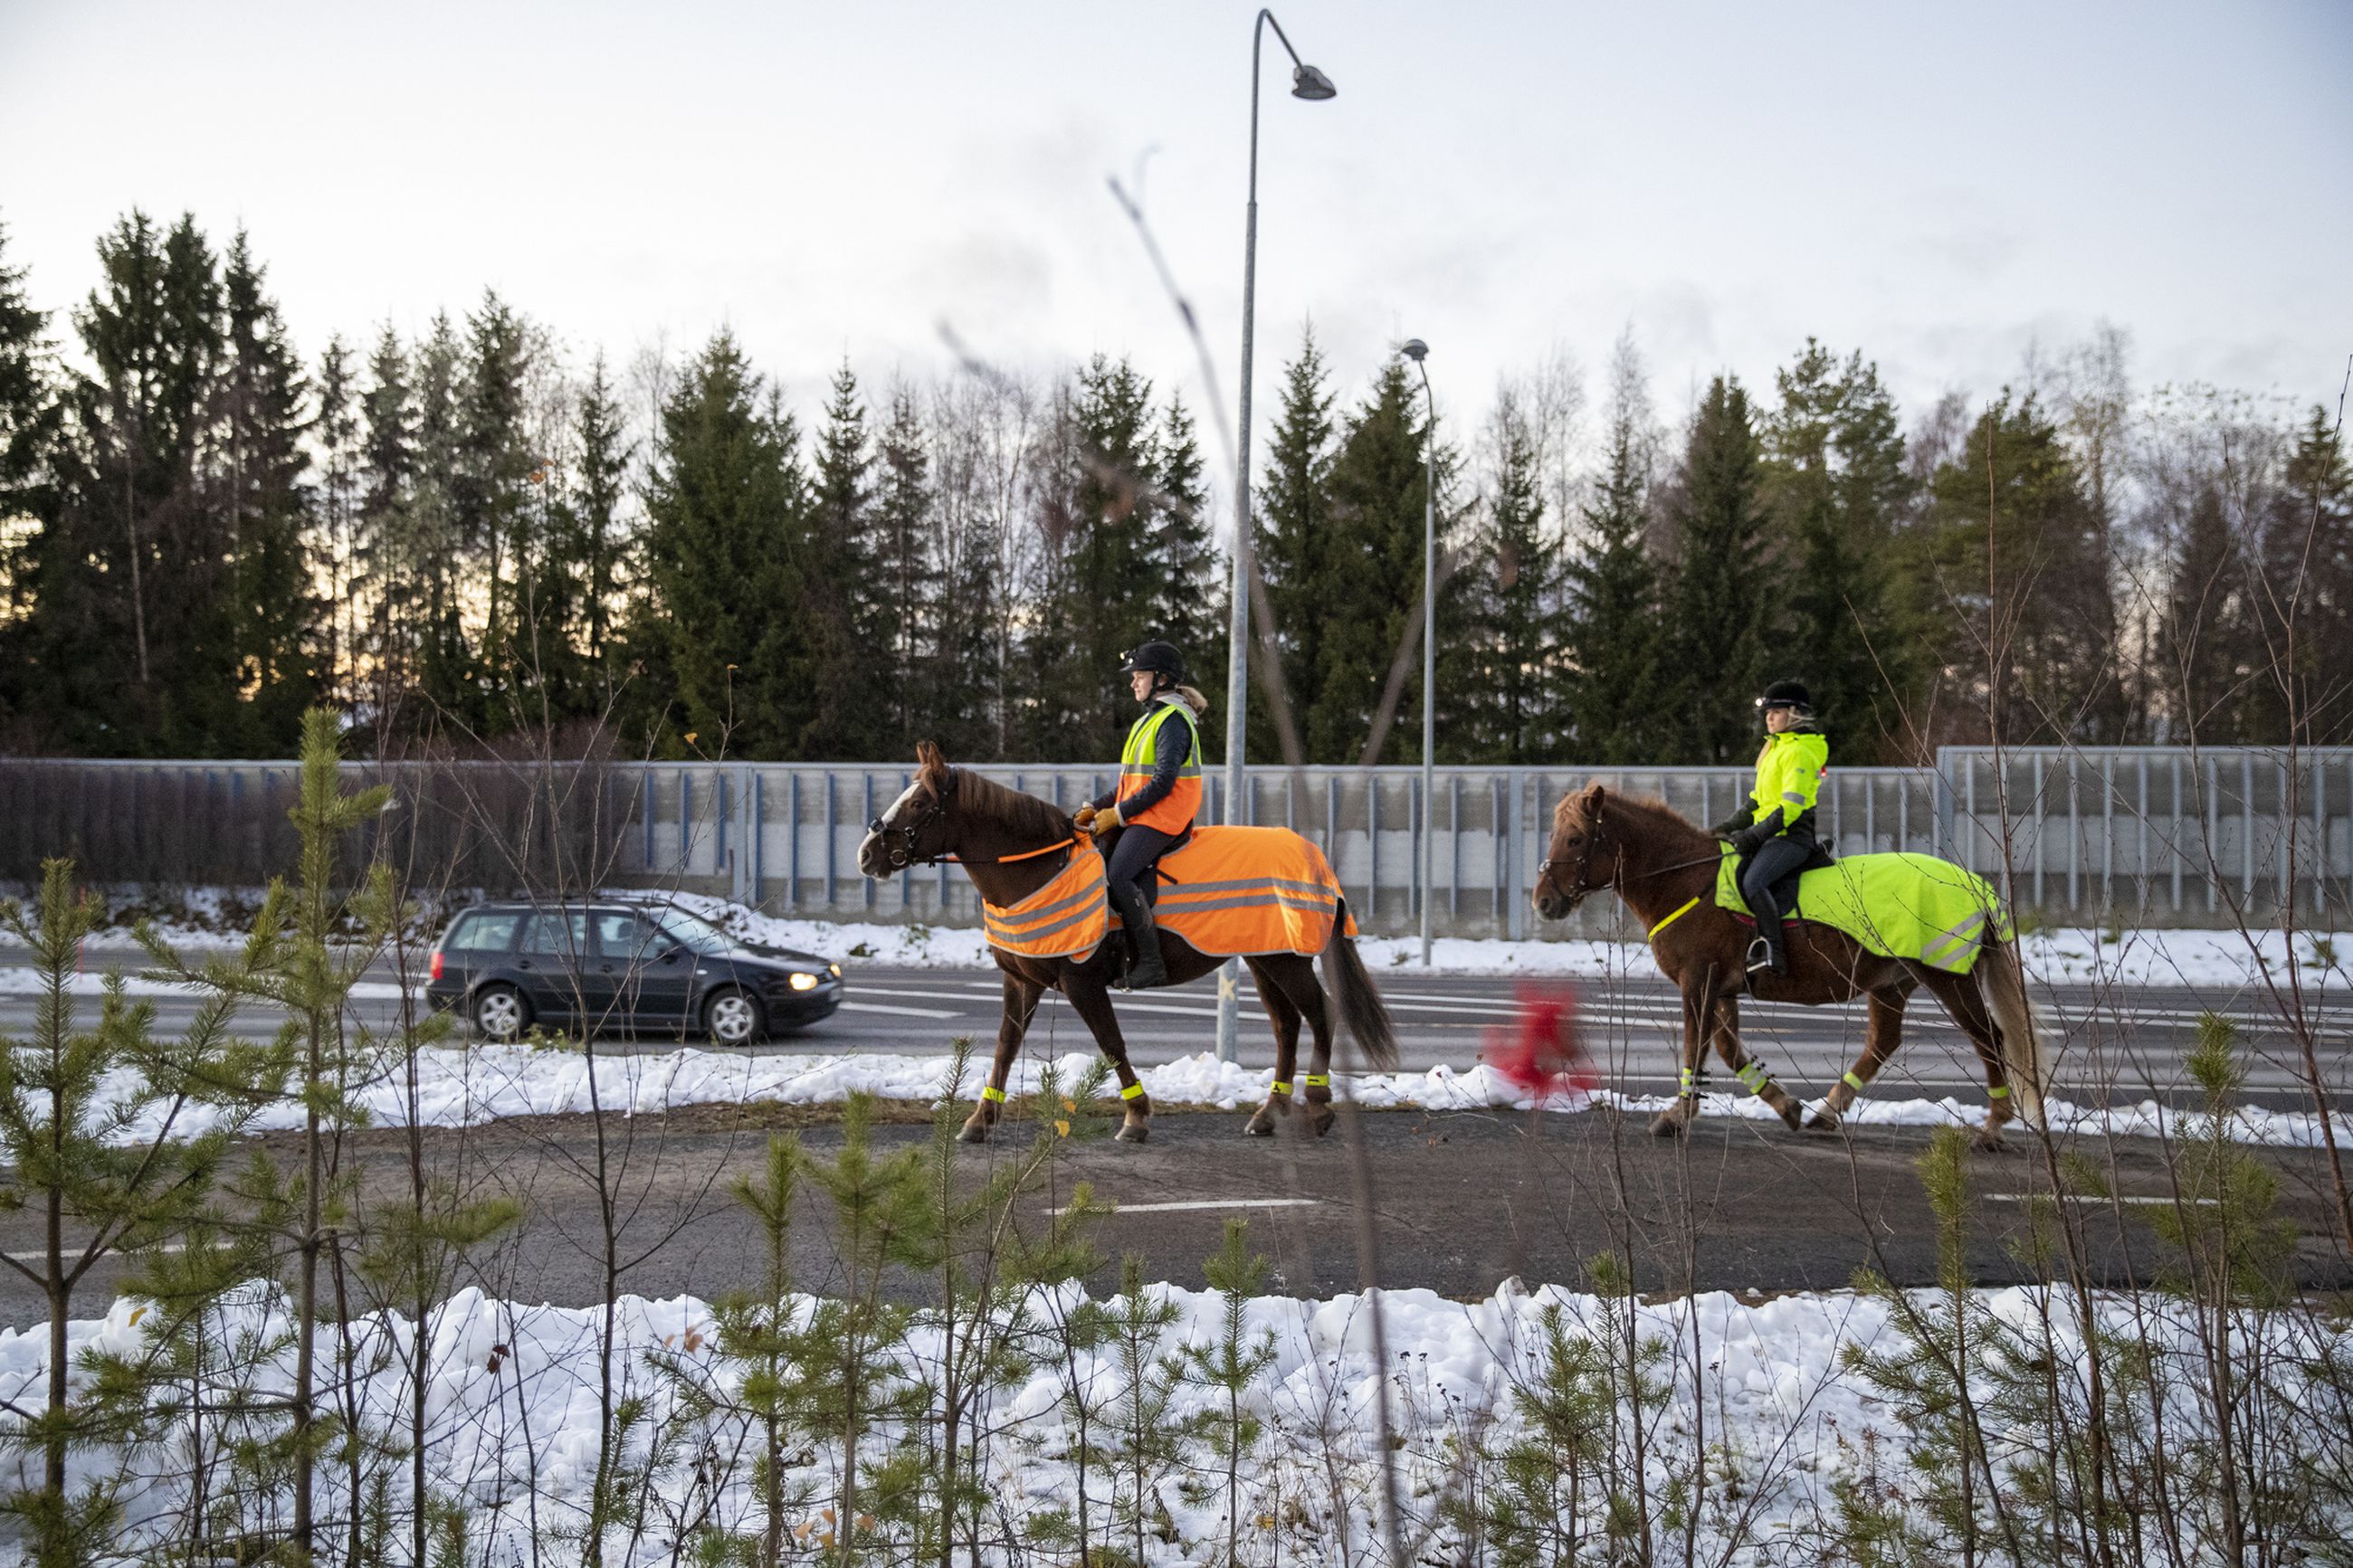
(1177, 810)
(1065, 918)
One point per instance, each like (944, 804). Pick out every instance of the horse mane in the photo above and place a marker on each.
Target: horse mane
(1648, 810)
(1024, 816)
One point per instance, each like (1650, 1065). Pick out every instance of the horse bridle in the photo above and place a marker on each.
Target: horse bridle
(903, 854)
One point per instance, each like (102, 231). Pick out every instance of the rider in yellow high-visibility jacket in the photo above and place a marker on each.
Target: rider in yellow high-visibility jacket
(1155, 800)
(1776, 835)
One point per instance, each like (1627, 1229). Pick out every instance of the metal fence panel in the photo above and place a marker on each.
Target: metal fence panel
(2079, 836)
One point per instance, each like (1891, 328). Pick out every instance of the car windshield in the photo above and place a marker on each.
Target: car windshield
(692, 931)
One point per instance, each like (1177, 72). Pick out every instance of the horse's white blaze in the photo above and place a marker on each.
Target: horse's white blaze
(892, 811)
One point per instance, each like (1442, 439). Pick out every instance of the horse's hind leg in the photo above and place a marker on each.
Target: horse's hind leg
(1883, 1032)
(1092, 1003)
(1020, 1005)
(1726, 1029)
(1961, 999)
(1296, 976)
(1285, 1018)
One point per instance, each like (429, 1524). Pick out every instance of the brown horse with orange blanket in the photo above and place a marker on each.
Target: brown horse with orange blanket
(1664, 869)
(1042, 890)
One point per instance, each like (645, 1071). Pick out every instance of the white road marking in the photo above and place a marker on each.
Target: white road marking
(41, 1255)
(1189, 1204)
(900, 1011)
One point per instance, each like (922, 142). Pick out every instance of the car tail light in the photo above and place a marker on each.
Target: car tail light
(436, 963)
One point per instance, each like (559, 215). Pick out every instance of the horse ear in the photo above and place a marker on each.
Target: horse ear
(934, 768)
(1592, 801)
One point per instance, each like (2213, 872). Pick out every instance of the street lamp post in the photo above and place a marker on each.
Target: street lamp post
(1306, 82)
(1419, 352)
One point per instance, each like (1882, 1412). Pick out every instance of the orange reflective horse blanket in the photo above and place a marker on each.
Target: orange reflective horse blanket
(1065, 918)
(1238, 892)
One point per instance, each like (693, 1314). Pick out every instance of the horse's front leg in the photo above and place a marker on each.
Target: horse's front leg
(1020, 1005)
(1699, 1017)
(1726, 1027)
(1883, 1032)
(1092, 1003)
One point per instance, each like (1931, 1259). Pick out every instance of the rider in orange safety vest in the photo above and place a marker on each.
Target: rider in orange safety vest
(1158, 797)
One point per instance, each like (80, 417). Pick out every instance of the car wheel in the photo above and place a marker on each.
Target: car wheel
(734, 1018)
(500, 1012)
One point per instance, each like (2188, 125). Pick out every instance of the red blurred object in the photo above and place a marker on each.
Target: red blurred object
(436, 963)
(1541, 1051)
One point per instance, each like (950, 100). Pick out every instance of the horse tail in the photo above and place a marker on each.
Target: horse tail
(2022, 1055)
(1366, 1016)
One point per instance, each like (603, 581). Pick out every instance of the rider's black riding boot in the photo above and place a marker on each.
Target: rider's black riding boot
(1766, 954)
(1147, 968)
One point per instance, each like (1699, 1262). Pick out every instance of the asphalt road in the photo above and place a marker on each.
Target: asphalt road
(2112, 1046)
(1456, 1201)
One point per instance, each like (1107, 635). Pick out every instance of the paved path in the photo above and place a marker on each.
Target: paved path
(1458, 1202)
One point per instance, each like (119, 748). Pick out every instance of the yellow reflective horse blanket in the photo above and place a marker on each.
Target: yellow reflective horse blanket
(1905, 906)
(1243, 891)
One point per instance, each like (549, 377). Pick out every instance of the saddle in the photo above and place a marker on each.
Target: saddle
(1785, 889)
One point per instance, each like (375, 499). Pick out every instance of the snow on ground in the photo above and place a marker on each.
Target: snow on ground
(209, 918)
(1760, 1405)
(483, 1082)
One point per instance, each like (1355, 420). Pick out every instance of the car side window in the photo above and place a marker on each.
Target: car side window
(557, 933)
(493, 932)
(623, 935)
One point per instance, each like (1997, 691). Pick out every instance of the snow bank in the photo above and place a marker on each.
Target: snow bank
(483, 1082)
(1758, 1398)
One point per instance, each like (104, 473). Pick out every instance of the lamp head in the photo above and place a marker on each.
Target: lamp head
(1311, 84)
(1414, 349)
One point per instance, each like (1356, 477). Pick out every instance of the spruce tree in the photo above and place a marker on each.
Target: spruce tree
(1372, 578)
(2017, 550)
(1508, 670)
(1612, 636)
(1191, 599)
(497, 520)
(383, 581)
(1115, 586)
(1292, 519)
(31, 424)
(1722, 594)
(725, 547)
(910, 576)
(844, 598)
(278, 616)
(335, 432)
(430, 552)
(601, 544)
(1838, 485)
(2307, 551)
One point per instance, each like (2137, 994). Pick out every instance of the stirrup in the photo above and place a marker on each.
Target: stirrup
(1760, 957)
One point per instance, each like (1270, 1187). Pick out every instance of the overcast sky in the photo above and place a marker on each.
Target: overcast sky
(1938, 187)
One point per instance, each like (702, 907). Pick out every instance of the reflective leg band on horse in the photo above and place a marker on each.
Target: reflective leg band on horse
(1999, 1091)
(1281, 1086)
(1131, 1092)
(1691, 1082)
(1752, 1074)
(1317, 1081)
(993, 1092)
(1856, 1083)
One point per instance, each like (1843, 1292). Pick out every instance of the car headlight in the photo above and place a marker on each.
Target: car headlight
(803, 980)
(835, 970)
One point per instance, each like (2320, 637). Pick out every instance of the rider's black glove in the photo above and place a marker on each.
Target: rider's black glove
(1731, 825)
(1746, 841)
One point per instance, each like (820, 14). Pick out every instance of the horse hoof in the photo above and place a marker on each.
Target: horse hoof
(1260, 1125)
(1133, 1132)
(1988, 1142)
(1793, 1113)
(973, 1132)
(1666, 1124)
(1824, 1120)
(1320, 1119)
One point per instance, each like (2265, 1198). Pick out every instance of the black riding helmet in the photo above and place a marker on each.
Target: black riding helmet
(1788, 694)
(1158, 658)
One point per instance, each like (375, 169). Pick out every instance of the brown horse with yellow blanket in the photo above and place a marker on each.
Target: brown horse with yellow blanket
(1666, 871)
(1262, 894)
